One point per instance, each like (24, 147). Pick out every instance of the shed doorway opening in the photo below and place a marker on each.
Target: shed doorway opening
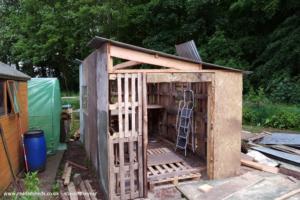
(166, 163)
(142, 122)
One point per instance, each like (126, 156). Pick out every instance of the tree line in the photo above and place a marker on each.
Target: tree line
(44, 37)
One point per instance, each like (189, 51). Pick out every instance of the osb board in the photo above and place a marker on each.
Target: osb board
(227, 124)
(102, 118)
(13, 127)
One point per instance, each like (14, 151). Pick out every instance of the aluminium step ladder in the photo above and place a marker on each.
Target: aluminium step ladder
(184, 121)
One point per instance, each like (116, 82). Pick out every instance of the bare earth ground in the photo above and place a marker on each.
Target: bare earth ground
(76, 153)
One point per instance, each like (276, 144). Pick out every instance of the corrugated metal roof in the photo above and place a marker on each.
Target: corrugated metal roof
(7, 72)
(96, 42)
(188, 50)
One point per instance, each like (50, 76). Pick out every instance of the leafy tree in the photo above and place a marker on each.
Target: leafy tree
(44, 37)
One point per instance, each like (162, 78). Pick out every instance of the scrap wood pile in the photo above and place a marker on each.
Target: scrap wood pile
(272, 152)
(77, 188)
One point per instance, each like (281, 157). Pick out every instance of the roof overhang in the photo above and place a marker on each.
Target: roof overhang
(7, 72)
(117, 47)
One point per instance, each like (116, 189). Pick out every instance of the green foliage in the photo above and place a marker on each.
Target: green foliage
(31, 183)
(284, 120)
(254, 35)
(256, 97)
(55, 187)
(259, 111)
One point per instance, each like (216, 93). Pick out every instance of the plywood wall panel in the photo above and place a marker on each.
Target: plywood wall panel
(227, 124)
(102, 117)
(91, 130)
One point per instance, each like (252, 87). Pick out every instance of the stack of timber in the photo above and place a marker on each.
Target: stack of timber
(284, 148)
(165, 167)
(77, 188)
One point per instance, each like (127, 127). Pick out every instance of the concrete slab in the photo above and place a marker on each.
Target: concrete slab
(47, 177)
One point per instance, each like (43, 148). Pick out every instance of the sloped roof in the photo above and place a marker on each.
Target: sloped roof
(96, 42)
(7, 72)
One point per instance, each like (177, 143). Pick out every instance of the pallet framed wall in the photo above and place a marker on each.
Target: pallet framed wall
(126, 140)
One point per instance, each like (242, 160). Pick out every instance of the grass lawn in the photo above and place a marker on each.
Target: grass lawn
(259, 129)
(74, 101)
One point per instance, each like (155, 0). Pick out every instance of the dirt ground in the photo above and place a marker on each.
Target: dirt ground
(75, 153)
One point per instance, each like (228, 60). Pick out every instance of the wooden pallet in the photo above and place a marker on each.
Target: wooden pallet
(154, 151)
(169, 173)
(174, 180)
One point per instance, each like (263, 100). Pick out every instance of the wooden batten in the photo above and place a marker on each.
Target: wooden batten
(155, 71)
(126, 64)
(138, 56)
(178, 77)
(210, 126)
(145, 131)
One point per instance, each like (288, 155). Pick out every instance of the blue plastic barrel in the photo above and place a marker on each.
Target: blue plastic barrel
(35, 147)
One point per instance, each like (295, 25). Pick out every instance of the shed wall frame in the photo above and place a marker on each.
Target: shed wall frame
(124, 91)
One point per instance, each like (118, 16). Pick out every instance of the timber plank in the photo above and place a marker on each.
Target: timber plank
(131, 153)
(90, 190)
(164, 158)
(72, 191)
(68, 175)
(84, 191)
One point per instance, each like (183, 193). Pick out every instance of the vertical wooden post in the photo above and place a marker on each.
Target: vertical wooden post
(121, 138)
(210, 131)
(99, 118)
(132, 134)
(145, 131)
(140, 137)
(126, 107)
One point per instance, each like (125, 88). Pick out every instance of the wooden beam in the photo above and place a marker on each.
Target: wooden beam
(259, 166)
(68, 176)
(179, 77)
(126, 64)
(154, 71)
(90, 190)
(138, 56)
(145, 131)
(72, 191)
(84, 191)
(289, 194)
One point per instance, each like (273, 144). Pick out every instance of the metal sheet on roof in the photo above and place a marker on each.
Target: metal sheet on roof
(188, 50)
(97, 41)
(7, 72)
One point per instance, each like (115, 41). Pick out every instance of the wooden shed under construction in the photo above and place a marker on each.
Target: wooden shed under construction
(13, 120)
(130, 117)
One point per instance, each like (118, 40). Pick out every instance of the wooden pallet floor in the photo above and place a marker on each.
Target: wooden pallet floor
(165, 167)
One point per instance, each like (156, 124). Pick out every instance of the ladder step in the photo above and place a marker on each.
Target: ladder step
(184, 126)
(180, 147)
